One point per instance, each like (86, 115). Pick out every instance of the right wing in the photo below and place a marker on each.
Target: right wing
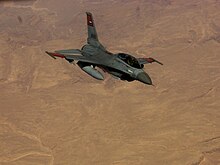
(148, 60)
(71, 57)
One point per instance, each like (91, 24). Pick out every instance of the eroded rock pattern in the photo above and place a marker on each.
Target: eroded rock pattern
(53, 113)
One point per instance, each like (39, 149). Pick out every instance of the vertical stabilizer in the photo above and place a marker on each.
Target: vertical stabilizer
(92, 34)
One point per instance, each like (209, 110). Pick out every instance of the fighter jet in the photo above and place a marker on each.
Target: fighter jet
(93, 55)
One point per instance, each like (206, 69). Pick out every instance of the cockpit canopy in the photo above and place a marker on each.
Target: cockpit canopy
(130, 60)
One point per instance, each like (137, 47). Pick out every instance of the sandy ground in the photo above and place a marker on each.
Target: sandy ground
(51, 112)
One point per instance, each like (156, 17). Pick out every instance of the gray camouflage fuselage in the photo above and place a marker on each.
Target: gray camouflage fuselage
(93, 54)
(111, 63)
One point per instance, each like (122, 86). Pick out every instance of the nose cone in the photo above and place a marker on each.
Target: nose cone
(144, 77)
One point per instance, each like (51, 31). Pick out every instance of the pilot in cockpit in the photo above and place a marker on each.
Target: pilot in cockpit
(129, 60)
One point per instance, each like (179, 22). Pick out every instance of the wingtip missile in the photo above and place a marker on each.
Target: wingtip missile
(159, 62)
(153, 60)
(50, 54)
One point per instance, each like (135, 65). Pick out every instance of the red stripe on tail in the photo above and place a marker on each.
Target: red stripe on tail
(90, 20)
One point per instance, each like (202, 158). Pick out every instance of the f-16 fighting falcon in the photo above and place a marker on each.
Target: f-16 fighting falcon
(93, 54)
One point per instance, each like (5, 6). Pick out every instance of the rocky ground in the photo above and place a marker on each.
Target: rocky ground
(51, 112)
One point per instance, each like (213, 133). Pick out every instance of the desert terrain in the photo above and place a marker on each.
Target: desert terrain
(52, 113)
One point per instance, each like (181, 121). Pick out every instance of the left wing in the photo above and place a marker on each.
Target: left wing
(71, 57)
(148, 60)
(69, 51)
